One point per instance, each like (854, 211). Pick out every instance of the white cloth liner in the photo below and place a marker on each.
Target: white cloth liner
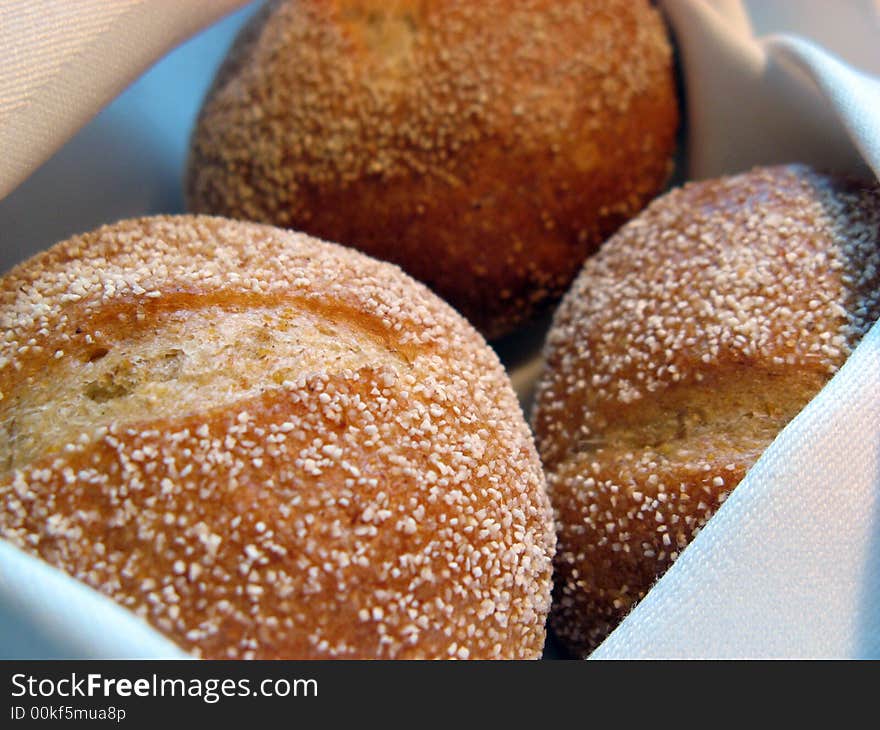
(45, 614)
(790, 565)
(62, 60)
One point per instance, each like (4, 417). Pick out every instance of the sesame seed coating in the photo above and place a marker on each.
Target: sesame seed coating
(269, 446)
(684, 346)
(484, 146)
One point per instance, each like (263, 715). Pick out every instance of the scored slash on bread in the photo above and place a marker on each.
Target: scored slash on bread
(269, 447)
(685, 345)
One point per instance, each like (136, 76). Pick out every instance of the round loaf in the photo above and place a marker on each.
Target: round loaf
(487, 148)
(268, 446)
(686, 344)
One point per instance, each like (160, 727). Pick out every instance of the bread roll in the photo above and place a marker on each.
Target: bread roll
(685, 345)
(484, 146)
(268, 446)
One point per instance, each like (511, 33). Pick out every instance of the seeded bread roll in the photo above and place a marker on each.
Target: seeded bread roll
(269, 446)
(484, 146)
(685, 345)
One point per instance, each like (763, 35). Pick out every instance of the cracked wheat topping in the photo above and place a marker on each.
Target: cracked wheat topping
(268, 446)
(485, 146)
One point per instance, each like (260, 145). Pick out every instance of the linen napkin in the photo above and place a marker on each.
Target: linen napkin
(790, 566)
(62, 60)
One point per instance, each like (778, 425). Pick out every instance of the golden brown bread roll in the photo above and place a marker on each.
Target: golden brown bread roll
(269, 446)
(484, 146)
(685, 345)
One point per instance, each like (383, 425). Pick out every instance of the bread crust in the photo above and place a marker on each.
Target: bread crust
(378, 496)
(484, 147)
(685, 345)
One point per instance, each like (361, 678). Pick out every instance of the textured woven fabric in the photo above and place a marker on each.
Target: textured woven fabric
(62, 60)
(790, 566)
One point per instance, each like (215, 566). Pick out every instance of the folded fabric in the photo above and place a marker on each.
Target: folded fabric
(790, 564)
(62, 60)
(758, 96)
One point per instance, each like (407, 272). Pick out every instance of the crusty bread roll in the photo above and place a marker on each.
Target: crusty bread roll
(686, 344)
(486, 147)
(269, 446)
